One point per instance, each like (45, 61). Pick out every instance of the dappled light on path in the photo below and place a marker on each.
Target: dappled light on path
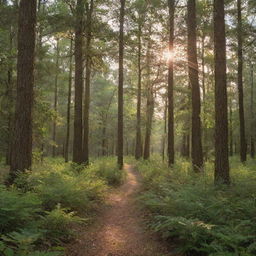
(120, 230)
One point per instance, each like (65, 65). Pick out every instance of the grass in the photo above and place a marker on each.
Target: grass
(201, 218)
(38, 212)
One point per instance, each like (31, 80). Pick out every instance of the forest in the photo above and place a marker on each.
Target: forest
(127, 127)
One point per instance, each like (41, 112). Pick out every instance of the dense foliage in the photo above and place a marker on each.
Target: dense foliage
(201, 218)
(38, 211)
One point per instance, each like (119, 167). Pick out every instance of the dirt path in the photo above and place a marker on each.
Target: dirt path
(120, 230)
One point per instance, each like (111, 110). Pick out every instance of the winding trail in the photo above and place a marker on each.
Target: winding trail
(120, 228)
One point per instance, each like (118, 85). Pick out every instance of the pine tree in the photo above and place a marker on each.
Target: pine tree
(21, 158)
(120, 127)
(55, 97)
(87, 84)
(171, 4)
(138, 147)
(197, 154)
(66, 151)
(221, 112)
(240, 82)
(78, 119)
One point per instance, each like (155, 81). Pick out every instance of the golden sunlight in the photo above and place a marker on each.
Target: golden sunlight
(168, 55)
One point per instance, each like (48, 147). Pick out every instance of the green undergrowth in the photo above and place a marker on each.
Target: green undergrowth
(201, 219)
(38, 213)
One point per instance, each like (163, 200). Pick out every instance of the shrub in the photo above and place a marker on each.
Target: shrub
(106, 168)
(206, 220)
(22, 243)
(17, 209)
(41, 208)
(57, 224)
(59, 184)
(76, 192)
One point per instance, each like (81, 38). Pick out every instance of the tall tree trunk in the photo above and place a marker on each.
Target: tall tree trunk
(252, 152)
(69, 100)
(165, 129)
(204, 129)
(171, 4)
(230, 129)
(150, 113)
(221, 112)
(149, 107)
(103, 143)
(203, 68)
(22, 140)
(10, 103)
(240, 83)
(138, 149)
(87, 86)
(197, 154)
(55, 99)
(78, 120)
(120, 142)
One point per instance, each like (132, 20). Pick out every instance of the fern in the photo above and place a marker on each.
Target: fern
(204, 219)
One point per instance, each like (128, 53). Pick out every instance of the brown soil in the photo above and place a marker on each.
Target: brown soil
(120, 229)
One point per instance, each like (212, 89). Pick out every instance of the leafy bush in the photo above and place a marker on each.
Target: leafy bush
(76, 192)
(17, 209)
(106, 168)
(59, 184)
(206, 220)
(31, 213)
(57, 224)
(22, 243)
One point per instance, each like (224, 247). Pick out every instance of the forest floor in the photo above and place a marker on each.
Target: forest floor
(120, 228)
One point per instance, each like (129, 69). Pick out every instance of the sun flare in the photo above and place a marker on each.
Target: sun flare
(168, 55)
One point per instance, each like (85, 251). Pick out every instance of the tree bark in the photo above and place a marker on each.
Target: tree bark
(69, 100)
(203, 68)
(10, 103)
(221, 117)
(149, 107)
(252, 152)
(204, 128)
(230, 129)
(120, 138)
(240, 83)
(150, 113)
(55, 98)
(104, 142)
(87, 86)
(171, 4)
(138, 150)
(165, 129)
(197, 154)
(78, 120)
(22, 140)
